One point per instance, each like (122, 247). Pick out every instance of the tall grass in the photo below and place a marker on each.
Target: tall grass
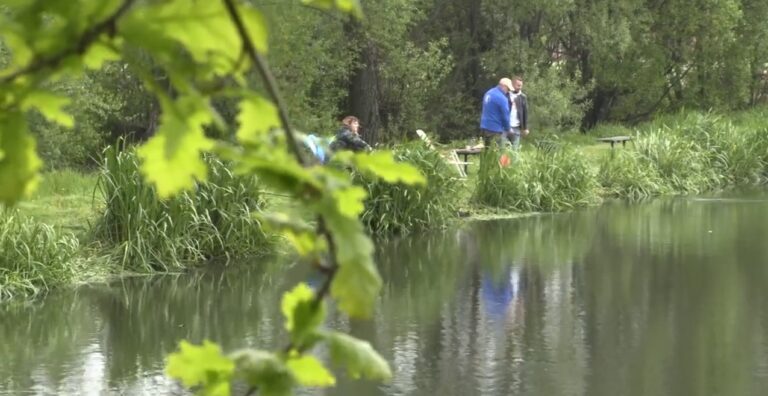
(555, 179)
(627, 174)
(680, 161)
(212, 222)
(398, 208)
(33, 256)
(689, 153)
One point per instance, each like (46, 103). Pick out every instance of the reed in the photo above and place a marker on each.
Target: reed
(33, 256)
(398, 209)
(215, 221)
(555, 179)
(627, 174)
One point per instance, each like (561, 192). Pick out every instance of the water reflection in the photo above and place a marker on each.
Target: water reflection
(664, 298)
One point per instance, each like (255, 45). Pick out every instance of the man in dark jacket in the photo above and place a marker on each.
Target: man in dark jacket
(518, 112)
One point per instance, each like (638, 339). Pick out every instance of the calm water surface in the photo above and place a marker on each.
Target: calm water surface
(664, 298)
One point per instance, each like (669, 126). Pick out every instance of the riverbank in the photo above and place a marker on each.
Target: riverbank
(68, 233)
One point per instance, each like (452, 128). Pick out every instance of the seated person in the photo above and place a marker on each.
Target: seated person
(348, 138)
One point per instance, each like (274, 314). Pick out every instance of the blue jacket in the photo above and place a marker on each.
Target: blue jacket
(496, 109)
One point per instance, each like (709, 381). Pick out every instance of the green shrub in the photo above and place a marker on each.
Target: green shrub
(33, 256)
(212, 222)
(398, 208)
(543, 180)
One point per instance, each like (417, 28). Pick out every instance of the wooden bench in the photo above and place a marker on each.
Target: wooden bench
(466, 152)
(615, 139)
(452, 157)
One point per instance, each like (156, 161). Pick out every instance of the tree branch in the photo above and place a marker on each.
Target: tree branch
(266, 75)
(88, 37)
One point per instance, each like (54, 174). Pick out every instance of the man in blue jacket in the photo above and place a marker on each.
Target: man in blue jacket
(495, 121)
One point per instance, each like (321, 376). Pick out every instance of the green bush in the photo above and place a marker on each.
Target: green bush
(557, 179)
(33, 256)
(398, 208)
(214, 221)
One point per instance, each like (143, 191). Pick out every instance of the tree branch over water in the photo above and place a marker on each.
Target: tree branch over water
(271, 84)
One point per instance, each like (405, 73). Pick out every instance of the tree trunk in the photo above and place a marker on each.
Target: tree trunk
(474, 19)
(364, 95)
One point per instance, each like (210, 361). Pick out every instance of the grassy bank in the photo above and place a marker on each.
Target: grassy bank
(86, 226)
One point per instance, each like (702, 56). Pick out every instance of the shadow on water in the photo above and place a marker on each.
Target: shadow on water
(661, 298)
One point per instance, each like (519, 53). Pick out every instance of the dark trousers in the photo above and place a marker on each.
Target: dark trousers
(489, 137)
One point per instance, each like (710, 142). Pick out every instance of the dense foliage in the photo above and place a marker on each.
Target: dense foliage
(425, 64)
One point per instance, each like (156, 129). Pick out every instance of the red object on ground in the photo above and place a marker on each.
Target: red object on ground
(504, 161)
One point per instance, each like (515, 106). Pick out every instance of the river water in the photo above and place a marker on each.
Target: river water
(668, 297)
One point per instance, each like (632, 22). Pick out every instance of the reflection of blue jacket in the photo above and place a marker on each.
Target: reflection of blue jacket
(497, 295)
(496, 110)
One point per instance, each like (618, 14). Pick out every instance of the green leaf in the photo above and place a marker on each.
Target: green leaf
(349, 6)
(19, 164)
(382, 164)
(358, 357)
(256, 27)
(357, 281)
(204, 28)
(172, 158)
(350, 201)
(265, 371)
(300, 234)
(276, 168)
(50, 105)
(201, 366)
(257, 116)
(307, 244)
(97, 54)
(301, 316)
(309, 371)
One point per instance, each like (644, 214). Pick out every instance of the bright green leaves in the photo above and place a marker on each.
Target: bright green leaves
(172, 158)
(97, 54)
(383, 165)
(309, 371)
(202, 366)
(350, 201)
(257, 116)
(349, 6)
(357, 281)
(265, 371)
(302, 314)
(204, 28)
(359, 358)
(197, 49)
(19, 164)
(256, 28)
(50, 105)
